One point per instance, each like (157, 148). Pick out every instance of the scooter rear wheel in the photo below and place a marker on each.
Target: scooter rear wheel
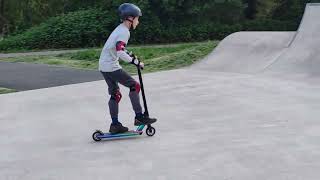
(96, 134)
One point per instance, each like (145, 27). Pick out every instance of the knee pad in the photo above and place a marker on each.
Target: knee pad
(116, 96)
(135, 88)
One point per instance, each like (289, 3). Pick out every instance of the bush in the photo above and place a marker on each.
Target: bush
(84, 28)
(89, 28)
(269, 25)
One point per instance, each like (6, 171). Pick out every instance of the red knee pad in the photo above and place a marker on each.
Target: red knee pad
(135, 88)
(118, 96)
(138, 87)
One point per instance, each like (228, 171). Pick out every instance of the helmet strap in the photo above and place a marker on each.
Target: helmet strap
(129, 20)
(131, 27)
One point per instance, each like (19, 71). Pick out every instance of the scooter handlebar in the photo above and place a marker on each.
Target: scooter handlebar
(132, 55)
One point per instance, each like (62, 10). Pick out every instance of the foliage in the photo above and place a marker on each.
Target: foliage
(79, 23)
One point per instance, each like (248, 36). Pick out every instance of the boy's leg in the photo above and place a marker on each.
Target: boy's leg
(115, 96)
(125, 79)
(114, 91)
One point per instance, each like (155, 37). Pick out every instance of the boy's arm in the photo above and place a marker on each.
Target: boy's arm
(122, 53)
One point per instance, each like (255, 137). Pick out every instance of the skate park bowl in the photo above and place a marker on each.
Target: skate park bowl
(249, 110)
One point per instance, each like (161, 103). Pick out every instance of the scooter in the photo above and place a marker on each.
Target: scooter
(150, 131)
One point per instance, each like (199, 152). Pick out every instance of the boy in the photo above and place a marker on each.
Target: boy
(113, 50)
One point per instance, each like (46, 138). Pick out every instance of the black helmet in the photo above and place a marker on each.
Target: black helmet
(127, 9)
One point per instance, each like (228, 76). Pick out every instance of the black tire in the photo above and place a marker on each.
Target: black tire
(95, 134)
(150, 131)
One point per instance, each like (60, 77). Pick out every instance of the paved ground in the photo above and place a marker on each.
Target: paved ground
(258, 123)
(8, 55)
(25, 76)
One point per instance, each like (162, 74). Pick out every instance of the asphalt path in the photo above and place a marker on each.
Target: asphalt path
(26, 76)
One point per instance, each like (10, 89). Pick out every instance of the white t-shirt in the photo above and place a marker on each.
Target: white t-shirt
(109, 58)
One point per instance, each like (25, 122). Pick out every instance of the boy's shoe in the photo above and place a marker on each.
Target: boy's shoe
(144, 120)
(117, 128)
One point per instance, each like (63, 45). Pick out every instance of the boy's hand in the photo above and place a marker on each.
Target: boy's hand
(137, 62)
(141, 65)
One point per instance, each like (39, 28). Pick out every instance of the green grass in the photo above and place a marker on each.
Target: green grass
(5, 90)
(155, 57)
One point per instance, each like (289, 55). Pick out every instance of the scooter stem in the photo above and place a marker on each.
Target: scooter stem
(146, 112)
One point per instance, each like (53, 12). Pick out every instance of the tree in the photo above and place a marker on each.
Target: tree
(1, 7)
(291, 10)
(3, 19)
(251, 10)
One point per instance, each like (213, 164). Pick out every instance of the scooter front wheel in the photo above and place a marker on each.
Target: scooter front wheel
(150, 131)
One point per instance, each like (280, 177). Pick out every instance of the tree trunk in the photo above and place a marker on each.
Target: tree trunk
(251, 10)
(2, 21)
(1, 7)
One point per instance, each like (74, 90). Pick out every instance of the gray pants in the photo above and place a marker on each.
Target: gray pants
(122, 77)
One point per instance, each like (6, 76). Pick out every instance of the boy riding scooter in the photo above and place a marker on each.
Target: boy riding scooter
(113, 50)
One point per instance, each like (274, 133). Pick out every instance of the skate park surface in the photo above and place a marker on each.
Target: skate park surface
(247, 111)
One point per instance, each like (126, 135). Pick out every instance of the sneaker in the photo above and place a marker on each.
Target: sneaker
(144, 120)
(117, 128)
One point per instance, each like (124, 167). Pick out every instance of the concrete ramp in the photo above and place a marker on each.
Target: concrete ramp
(302, 58)
(247, 52)
(293, 54)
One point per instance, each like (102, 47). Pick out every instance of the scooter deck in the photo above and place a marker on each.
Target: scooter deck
(126, 134)
(99, 135)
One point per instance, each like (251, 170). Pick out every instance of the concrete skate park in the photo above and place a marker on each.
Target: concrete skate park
(249, 110)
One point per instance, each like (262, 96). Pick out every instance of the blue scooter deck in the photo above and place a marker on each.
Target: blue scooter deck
(126, 134)
(99, 135)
